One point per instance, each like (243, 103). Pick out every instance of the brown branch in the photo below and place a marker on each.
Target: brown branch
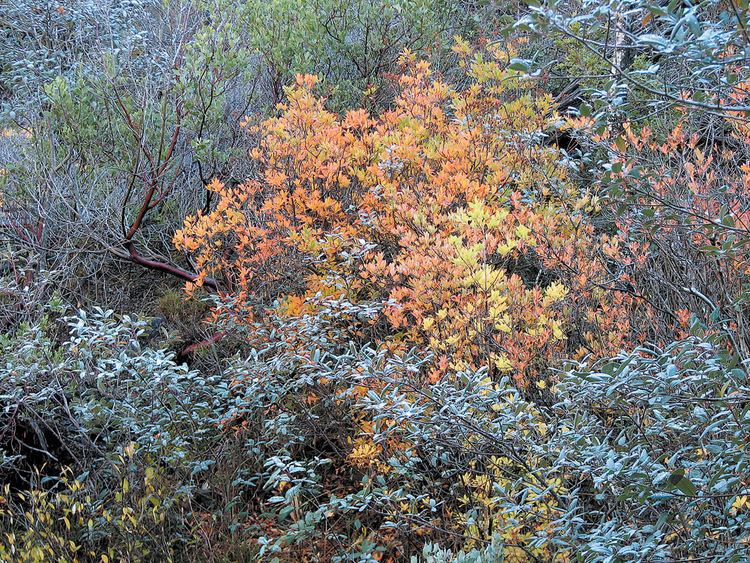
(134, 256)
(188, 351)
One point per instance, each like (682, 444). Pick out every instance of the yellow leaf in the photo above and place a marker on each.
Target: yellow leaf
(523, 232)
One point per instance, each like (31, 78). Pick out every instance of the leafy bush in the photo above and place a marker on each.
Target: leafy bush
(641, 457)
(84, 418)
(42, 40)
(449, 206)
(662, 443)
(637, 457)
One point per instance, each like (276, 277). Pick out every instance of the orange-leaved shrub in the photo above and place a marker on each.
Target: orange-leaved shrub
(683, 192)
(452, 207)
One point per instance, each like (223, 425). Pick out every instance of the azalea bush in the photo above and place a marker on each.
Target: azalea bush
(449, 207)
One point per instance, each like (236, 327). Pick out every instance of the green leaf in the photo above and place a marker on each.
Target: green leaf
(520, 64)
(680, 482)
(686, 486)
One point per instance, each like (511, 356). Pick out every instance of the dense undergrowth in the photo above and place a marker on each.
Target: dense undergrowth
(346, 280)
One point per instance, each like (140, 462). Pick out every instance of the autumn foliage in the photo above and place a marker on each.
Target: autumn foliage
(684, 210)
(450, 208)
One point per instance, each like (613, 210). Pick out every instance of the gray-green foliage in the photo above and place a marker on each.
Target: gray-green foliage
(161, 116)
(650, 449)
(433, 553)
(41, 40)
(350, 44)
(642, 457)
(661, 437)
(637, 458)
(101, 390)
(649, 56)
